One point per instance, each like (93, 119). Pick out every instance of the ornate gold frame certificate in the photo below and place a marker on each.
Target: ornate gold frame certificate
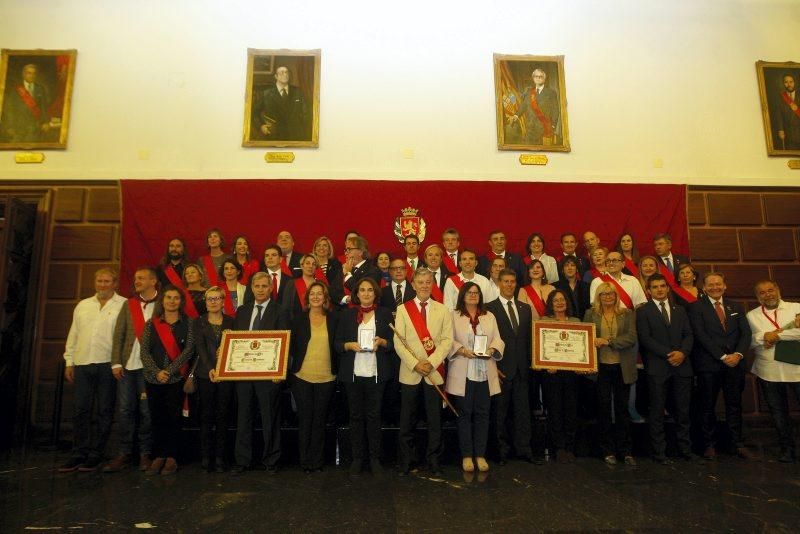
(565, 346)
(253, 355)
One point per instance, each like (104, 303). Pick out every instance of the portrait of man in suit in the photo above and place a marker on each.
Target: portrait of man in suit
(282, 101)
(780, 105)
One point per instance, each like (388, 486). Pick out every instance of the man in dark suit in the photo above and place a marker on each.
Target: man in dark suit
(26, 117)
(722, 336)
(413, 261)
(291, 258)
(662, 243)
(451, 241)
(787, 120)
(284, 114)
(569, 246)
(263, 313)
(357, 265)
(281, 286)
(665, 339)
(514, 324)
(497, 248)
(433, 260)
(399, 290)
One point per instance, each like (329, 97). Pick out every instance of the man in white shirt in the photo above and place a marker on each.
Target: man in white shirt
(469, 261)
(624, 283)
(498, 265)
(88, 365)
(126, 365)
(773, 323)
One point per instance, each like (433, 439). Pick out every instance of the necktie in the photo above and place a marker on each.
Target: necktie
(453, 257)
(275, 283)
(423, 312)
(669, 264)
(720, 313)
(513, 316)
(413, 265)
(664, 312)
(435, 279)
(257, 320)
(283, 93)
(398, 296)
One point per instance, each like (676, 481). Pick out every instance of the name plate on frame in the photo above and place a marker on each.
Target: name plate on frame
(794, 164)
(532, 159)
(279, 157)
(28, 157)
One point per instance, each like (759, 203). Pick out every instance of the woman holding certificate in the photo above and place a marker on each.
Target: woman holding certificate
(472, 373)
(167, 343)
(561, 389)
(314, 368)
(536, 292)
(616, 355)
(364, 341)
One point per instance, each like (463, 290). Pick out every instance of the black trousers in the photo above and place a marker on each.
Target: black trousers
(679, 389)
(561, 401)
(513, 395)
(731, 382)
(215, 402)
(473, 418)
(777, 395)
(267, 395)
(409, 402)
(166, 403)
(313, 401)
(613, 393)
(94, 384)
(364, 400)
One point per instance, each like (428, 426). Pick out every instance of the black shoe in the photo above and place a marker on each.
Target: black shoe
(219, 465)
(502, 461)
(691, 457)
(73, 464)
(435, 470)
(610, 460)
(238, 470)
(355, 468)
(271, 469)
(630, 460)
(90, 465)
(663, 460)
(538, 460)
(786, 456)
(527, 458)
(206, 463)
(376, 467)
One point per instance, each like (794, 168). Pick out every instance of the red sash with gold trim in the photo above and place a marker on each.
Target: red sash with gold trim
(285, 267)
(632, 267)
(137, 316)
(164, 331)
(548, 127)
(420, 327)
(623, 295)
(449, 263)
(211, 270)
(536, 300)
(29, 101)
(172, 276)
(301, 287)
(786, 98)
(674, 286)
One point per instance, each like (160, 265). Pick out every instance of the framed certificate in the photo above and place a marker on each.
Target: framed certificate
(253, 355)
(567, 346)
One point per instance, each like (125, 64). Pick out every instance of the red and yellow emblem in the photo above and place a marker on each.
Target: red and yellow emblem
(428, 344)
(409, 223)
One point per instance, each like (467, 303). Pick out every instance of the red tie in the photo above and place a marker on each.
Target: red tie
(275, 283)
(720, 313)
(423, 312)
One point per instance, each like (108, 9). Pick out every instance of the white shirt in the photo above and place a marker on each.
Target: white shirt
(765, 366)
(254, 314)
(401, 285)
(413, 262)
(492, 293)
(666, 307)
(671, 260)
(276, 283)
(476, 370)
(92, 332)
(366, 363)
(451, 291)
(437, 276)
(504, 301)
(627, 282)
(550, 267)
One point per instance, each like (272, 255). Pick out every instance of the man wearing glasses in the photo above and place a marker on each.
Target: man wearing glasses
(629, 289)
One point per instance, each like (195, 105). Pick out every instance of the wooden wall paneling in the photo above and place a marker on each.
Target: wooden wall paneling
(713, 244)
(69, 204)
(696, 208)
(740, 278)
(788, 278)
(82, 242)
(768, 244)
(734, 209)
(62, 281)
(782, 209)
(51, 355)
(57, 320)
(104, 205)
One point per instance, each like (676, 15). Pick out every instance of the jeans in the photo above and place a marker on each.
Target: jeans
(132, 406)
(93, 381)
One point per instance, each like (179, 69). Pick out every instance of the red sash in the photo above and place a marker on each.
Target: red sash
(29, 101)
(249, 268)
(137, 316)
(285, 268)
(784, 95)
(301, 287)
(527, 260)
(320, 275)
(211, 270)
(673, 284)
(595, 272)
(423, 333)
(229, 309)
(623, 295)
(189, 307)
(409, 272)
(342, 259)
(536, 300)
(449, 263)
(632, 267)
(457, 281)
(167, 338)
(172, 276)
(548, 128)
(436, 293)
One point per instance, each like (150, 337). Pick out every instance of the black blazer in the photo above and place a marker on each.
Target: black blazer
(444, 274)
(367, 270)
(579, 297)
(712, 341)
(347, 331)
(206, 344)
(513, 262)
(301, 335)
(387, 296)
(335, 280)
(657, 339)
(677, 261)
(583, 265)
(294, 264)
(273, 318)
(517, 354)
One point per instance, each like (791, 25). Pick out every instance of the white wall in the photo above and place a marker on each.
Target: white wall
(646, 80)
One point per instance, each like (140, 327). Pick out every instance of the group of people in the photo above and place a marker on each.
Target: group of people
(446, 326)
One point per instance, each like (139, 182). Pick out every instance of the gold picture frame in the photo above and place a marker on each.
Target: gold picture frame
(527, 120)
(35, 98)
(564, 346)
(780, 112)
(276, 119)
(253, 355)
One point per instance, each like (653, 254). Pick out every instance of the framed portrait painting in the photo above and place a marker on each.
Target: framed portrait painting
(282, 98)
(35, 96)
(531, 103)
(779, 87)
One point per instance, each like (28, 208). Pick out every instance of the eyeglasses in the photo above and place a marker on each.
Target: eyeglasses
(401, 268)
(473, 293)
(608, 294)
(613, 260)
(214, 299)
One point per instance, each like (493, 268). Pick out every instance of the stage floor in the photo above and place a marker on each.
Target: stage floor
(724, 495)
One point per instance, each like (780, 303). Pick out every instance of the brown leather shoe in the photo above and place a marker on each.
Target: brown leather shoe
(155, 467)
(746, 454)
(144, 462)
(117, 464)
(169, 467)
(710, 453)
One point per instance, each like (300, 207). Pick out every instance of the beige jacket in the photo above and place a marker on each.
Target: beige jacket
(440, 326)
